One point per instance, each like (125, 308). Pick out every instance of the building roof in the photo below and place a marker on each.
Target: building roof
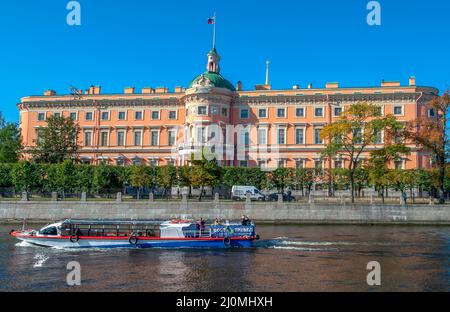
(216, 79)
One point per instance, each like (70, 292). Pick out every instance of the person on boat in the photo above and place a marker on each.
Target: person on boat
(246, 221)
(197, 227)
(202, 226)
(217, 221)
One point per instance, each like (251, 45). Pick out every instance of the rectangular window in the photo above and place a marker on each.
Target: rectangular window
(137, 138)
(73, 116)
(281, 113)
(121, 138)
(262, 136)
(202, 111)
(379, 111)
(337, 111)
(262, 113)
(245, 137)
(122, 116)
(89, 116)
(262, 164)
(431, 112)
(318, 164)
(243, 163)
(338, 164)
(154, 138)
(105, 115)
(41, 116)
(282, 136)
(155, 115)
(299, 136)
(225, 111)
(104, 136)
(300, 112)
(88, 138)
(378, 136)
(357, 136)
(281, 163)
(201, 135)
(398, 110)
(172, 115)
(318, 112)
(244, 113)
(399, 164)
(214, 110)
(154, 162)
(138, 115)
(57, 115)
(300, 164)
(172, 137)
(317, 139)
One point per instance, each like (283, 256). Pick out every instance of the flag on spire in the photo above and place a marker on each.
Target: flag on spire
(211, 20)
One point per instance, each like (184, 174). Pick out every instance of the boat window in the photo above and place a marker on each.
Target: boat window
(49, 231)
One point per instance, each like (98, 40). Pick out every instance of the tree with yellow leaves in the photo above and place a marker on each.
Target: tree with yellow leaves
(359, 127)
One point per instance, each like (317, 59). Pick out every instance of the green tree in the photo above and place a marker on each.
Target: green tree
(281, 178)
(10, 142)
(26, 175)
(140, 178)
(56, 142)
(205, 173)
(354, 131)
(167, 178)
(433, 135)
(6, 175)
(105, 179)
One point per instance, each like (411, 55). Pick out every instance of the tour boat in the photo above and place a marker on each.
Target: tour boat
(139, 234)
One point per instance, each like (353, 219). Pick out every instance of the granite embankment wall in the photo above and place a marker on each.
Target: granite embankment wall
(258, 211)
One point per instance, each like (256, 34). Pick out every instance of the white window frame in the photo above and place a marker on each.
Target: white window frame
(263, 109)
(107, 138)
(304, 135)
(157, 137)
(278, 135)
(124, 137)
(198, 110)
(109, 115)
(398, 105)
(176, 114)
(334, 111)
(122, 111)
(214, 110)
(304, 112)
(429, 115)
(60, 114)
(84, 138)
(175, 136)
(76, 115)
(285, 112)
(315, 112)
(244, 109)
(155, 111)
(85, 115)
(142, 114)
(45, 116)
(300, 161)
(141, 137)
(322, 142)
(266, 131)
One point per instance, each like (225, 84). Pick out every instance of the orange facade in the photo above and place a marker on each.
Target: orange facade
(263, 127)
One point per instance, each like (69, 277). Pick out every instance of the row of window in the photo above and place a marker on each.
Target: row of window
(106, 115)
(104, 138)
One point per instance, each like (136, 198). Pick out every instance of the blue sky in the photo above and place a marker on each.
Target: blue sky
(164, 43)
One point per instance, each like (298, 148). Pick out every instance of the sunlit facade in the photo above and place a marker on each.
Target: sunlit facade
(256, 128)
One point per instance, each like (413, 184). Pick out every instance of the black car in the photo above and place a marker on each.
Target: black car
(287, 197)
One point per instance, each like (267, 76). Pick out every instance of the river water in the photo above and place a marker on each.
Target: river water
(289, 258)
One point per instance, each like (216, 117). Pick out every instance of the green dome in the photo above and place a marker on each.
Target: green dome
(216, 79)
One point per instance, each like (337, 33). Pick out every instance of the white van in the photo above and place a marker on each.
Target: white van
(239, 192)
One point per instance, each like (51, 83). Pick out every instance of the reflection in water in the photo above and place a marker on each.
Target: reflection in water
(292, 258)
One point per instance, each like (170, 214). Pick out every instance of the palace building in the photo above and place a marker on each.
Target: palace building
(261, 127)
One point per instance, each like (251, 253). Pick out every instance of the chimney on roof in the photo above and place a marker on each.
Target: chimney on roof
(148, 90)
(332, 85)
(239, 86)
(296, 87)
(97, 89)
(412, 81)
(50, 93)
(179, 89)
(310, 86)
(129, 90)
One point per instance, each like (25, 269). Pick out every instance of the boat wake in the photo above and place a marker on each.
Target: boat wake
(26, 244)
(40, 260)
